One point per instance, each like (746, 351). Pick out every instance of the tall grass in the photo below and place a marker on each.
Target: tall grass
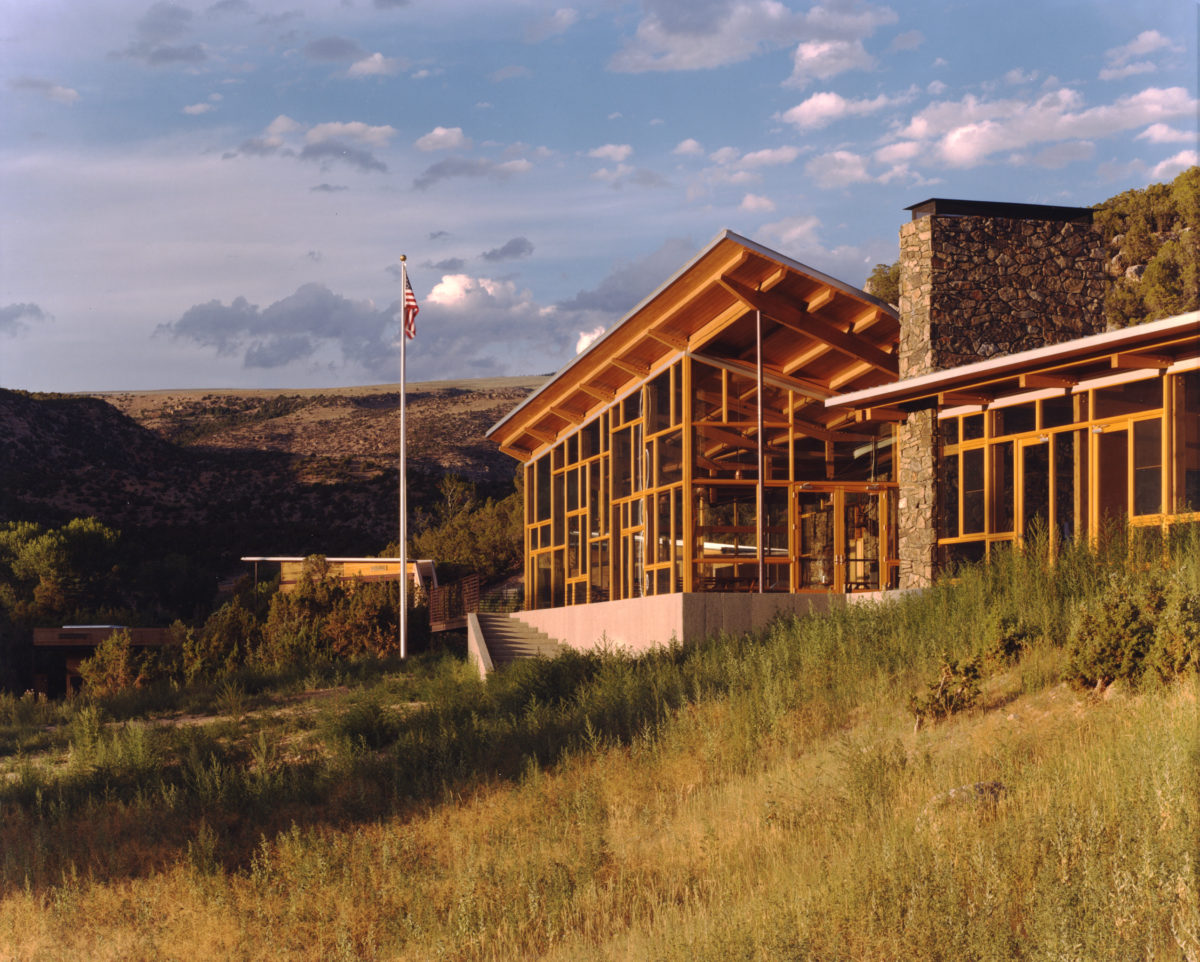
(757, 796)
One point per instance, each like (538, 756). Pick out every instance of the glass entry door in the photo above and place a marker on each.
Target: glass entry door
(838, 540)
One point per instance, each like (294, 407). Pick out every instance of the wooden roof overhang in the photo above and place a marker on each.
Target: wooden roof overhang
(1098, 360)
(820, 337)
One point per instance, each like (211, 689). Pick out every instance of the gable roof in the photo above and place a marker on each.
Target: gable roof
(821, 337)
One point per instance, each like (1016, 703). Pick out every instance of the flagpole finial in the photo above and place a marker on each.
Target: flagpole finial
(403, 257)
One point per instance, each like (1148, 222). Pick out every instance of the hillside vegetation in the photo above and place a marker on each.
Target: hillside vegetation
(1152, 240)
(756, 797)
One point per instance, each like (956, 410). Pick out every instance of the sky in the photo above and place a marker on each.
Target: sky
(217, 194)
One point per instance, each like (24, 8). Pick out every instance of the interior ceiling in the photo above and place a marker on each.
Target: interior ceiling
(820, 338)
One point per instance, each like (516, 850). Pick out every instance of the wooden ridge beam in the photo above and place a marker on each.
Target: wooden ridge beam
(804, 322)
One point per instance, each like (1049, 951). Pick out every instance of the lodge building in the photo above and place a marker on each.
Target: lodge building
(757, 435)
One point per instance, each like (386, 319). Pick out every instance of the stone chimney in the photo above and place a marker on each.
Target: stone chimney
(977, 280)
(980, 279)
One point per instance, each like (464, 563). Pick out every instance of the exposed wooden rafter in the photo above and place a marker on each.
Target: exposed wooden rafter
(673, 341)
(804, 322)
(604, 394)
(630, 367)
(775, 378)
(947, 398)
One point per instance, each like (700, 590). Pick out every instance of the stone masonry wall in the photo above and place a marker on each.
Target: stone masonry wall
(977, 287)
(971, 288)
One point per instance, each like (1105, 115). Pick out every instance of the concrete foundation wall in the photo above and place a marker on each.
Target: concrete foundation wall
(639, 624)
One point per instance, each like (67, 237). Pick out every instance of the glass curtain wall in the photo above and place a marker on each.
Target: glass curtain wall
(659, 493)
(1070, 465)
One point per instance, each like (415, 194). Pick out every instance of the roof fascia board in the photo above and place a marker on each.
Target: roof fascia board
(1012, 364)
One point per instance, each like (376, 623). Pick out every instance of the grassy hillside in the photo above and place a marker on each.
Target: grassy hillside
(761, 797)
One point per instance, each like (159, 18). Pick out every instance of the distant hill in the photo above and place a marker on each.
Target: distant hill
(223, 473)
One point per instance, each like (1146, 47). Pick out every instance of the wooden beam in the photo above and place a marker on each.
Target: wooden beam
(861, 321)
(1034, 381)
(571, 417)
(543, 436)
(521, 454)
(947, 398)
(770, 376)
(1130, 362)
(820, 299)
(880, 414)
(774, 279)
(630, 367)
(783, 312)
(673, 341)
(599, 393)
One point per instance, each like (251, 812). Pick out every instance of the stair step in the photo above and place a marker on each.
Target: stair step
(509, 640)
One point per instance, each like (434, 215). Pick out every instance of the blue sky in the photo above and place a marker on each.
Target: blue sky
(216, 194)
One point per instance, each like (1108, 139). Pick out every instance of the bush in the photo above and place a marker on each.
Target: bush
(1114, 634)
(113, 668)
(955, 689)
(1177, 637)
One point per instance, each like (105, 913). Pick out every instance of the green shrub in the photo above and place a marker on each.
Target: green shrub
(114, 667)
(955, 689)
(1115, 632)
(1176, 647)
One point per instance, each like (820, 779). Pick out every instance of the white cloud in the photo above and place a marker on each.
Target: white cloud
(770, 157)
(839, 168)
(792, 232)
(969, 132)
(48, 89)
(376, 65)
(1146, 42)
(352, 130)
(443, 138)
(898, 153)
(1128, 70)
(1062, 154)
(725, 155)
(588, 338)
(821, 59)
(281, 126)
(617, 153)
(1017, 76)
(688, 148)
(909, 40)
(936, 88)
(559, 22)
(701, 36)
(1173, 166)
(1165, 134)
(756, 204)
(194, 110)
(824, 108)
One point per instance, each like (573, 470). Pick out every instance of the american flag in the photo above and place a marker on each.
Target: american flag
(410, 310)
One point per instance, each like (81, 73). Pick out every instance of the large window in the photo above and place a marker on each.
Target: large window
(1069, 464)
(659, 493)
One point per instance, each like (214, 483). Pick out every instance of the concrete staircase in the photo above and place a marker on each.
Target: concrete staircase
(507, 639)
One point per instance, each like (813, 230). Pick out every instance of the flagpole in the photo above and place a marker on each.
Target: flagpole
(403, 616)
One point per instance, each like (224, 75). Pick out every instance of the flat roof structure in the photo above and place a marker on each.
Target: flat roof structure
(1098, 360)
